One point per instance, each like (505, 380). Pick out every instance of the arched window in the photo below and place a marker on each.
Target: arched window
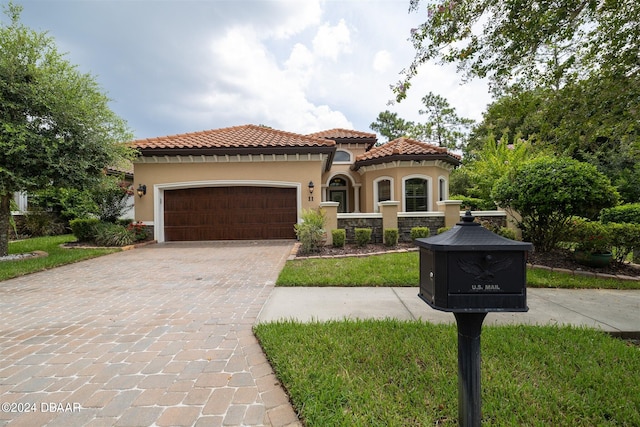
(382, 191)
(342, 156)
(416, 195)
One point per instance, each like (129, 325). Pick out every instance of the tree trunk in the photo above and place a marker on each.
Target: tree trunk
(5, 215)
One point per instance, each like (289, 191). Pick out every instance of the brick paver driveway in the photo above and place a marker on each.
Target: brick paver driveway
(160, 335)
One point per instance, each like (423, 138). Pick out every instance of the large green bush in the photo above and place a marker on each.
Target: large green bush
(548, 192)
(310, 231)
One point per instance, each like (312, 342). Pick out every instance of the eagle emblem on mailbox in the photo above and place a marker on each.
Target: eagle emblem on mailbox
(485, 268)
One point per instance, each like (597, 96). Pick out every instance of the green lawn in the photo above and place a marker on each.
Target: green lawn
(57, 255)
(393, 373)
(402, 269)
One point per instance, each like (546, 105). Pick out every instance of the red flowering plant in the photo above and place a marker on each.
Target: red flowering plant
(590, 236)
(139, 230)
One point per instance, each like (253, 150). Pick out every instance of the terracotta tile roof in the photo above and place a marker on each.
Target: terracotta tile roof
(236, 137)
(405, 149)
(342, 134)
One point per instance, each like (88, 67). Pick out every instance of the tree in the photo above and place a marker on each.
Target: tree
(493, 161)
(548, 191)
(391, 126)
(447, 128)
(528, 43)
(56, 128)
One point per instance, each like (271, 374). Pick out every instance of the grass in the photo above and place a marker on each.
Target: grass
(397, 269)
(402, 269)
(57, 255)
(394, 373)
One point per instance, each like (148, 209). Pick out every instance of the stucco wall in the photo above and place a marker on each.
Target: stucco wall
(200, 174)
(398, 173)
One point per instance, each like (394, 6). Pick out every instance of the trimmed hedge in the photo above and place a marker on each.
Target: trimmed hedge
(624, 213)
(419, 232)
(391, 236)
(363, 236)
(339, 237)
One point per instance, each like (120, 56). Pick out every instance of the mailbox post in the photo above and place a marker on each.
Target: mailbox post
(470, 272)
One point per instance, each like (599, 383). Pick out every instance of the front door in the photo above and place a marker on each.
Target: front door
(339, 196)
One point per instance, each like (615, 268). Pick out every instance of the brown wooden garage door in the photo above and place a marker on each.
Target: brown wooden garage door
(229, 213)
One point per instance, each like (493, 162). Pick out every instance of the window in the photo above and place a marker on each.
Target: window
(384, 190)
(338, 182)
(442, 189)
(342, 156)
(416, 195)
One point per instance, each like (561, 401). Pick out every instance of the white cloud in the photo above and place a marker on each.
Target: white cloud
(294, 16)
(382, 61)
(330, 41)
(248, 83)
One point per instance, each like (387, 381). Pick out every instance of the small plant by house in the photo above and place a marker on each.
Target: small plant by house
(419, 232)
(311, 231)
(363, 236)
(391, 237)
(339, 237)
(92, 230)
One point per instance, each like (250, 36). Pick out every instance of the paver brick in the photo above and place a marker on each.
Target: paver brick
(167, 341)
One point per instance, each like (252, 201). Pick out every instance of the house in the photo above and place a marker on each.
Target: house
(253, 182)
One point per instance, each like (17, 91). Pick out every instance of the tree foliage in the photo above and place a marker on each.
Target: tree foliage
(56, 128)
(548, 191)
(496, 158)
(443, 126)
(446, 128)
(528, 43)
(391, 126)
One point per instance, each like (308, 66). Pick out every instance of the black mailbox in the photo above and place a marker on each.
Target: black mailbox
(470, 269)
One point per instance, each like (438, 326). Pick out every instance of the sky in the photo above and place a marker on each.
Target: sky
(301, 66)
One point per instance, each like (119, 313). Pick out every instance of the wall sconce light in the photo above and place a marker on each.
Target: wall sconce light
(311, 187)
(142, 190)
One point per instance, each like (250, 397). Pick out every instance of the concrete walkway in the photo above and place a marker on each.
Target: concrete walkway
(157, 336)
(617, 312)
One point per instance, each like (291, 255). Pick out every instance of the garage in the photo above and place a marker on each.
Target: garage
(230, 213)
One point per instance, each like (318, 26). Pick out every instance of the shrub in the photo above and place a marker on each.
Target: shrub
(363, 236)
(419, 232)
(40, 223)
(624, 239)
(624, 213)
(108, 234)
(506, 233)
(339, 237)
(84, 228)
(391, 236)
(310, 231)
(138, 229)
(548, 192)
(590, 236)
(443, 229)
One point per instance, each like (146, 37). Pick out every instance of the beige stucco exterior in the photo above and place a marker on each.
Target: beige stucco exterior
(173, 173)
(352, 179)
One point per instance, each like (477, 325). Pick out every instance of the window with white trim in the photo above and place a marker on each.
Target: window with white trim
(342, 156)
(416, 195)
